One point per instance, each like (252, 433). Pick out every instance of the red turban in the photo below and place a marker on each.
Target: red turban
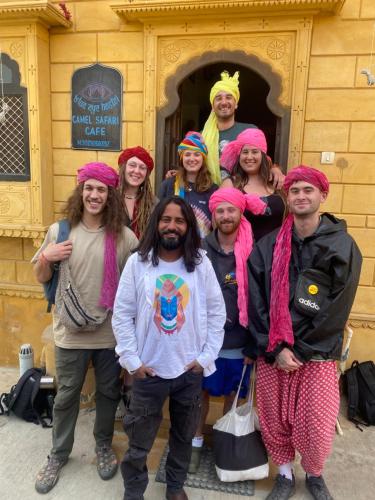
(140, 153)
(280, 321)
(307, 174)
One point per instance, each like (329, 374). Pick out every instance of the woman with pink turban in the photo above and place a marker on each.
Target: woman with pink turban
(249, 166)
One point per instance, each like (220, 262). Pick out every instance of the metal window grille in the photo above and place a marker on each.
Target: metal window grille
(14, 129)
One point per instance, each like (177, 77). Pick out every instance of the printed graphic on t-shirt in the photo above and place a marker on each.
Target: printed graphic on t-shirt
(204, 222)
(171, 298)
(222, 145)
(230, 279)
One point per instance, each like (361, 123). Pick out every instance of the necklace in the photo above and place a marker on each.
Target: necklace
(130, 197)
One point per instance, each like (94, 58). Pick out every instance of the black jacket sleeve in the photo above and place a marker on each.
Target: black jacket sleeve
(166, 188)
(258, 304)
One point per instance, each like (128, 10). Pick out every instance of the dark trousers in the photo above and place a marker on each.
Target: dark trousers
(142, 421)
(71, 369)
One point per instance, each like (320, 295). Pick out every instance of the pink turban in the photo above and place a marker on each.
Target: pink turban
(140, 153)
(100, 172)
(244, 241)
(108, 176)
(281, 330)
(252, 136)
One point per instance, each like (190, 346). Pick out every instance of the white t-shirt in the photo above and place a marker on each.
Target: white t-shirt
(170, 344)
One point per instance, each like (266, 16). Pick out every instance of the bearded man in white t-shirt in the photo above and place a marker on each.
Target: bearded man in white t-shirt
(97, 249)
(168, 321)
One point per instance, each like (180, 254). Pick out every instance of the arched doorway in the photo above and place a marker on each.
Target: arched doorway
(188, 106)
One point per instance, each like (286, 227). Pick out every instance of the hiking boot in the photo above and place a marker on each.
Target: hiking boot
(107, 462)
(283, 489)
(49, 474)
(195, 459)
(317, 487)
(176, 495)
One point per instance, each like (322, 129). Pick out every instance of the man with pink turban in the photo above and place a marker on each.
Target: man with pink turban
(303, 283)
(228, 247)
(97, 249)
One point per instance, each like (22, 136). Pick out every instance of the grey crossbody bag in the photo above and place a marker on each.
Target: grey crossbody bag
(72, 312)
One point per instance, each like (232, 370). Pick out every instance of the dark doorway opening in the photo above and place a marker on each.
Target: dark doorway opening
(194, 107)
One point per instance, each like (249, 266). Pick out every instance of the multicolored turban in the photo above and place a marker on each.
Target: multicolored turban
(280, 321)
(210, 131)
(193, 141)
(244, 240)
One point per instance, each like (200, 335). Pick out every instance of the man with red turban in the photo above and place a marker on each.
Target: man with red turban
(304, 278)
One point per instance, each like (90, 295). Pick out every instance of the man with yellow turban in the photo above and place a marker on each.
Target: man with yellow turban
(221, 127)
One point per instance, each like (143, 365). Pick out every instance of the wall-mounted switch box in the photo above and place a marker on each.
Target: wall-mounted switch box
(327, 157)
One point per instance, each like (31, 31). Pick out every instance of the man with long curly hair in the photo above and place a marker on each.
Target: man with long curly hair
(98, 247)
(168, 321)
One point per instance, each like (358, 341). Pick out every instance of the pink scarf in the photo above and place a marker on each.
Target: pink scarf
(280, 321)
(108, 176)
(244, 240)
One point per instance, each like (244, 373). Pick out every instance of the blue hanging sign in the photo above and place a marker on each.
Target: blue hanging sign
(97, 108)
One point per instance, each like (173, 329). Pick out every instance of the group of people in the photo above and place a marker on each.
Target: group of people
(226, 267)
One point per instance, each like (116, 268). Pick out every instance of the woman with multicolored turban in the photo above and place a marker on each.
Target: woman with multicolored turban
(193, 180)
(249, 167)
(138, 199)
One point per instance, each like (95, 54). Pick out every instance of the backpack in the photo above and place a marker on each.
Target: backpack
(51, 285)
(360, 385)
(27, 401)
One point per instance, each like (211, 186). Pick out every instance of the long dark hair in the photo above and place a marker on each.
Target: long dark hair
(240, 177)
(150, 241)
(112, 216)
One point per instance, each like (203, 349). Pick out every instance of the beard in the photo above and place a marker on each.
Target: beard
(228, 229)
(172, 243)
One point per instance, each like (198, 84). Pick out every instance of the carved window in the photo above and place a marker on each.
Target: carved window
(14, 129)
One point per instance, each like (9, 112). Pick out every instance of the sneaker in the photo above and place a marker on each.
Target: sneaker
(283, 489)
(107, 464)
(317, 487)
(195, 459)
(49, 474)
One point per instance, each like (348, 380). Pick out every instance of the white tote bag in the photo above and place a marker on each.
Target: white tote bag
(239, 451)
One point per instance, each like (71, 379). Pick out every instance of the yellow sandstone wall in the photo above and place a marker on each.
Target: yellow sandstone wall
(339, 117)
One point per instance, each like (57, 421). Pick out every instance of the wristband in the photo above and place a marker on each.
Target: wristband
(44, 259)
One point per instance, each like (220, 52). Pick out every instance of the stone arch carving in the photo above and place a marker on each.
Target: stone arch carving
(250, 61)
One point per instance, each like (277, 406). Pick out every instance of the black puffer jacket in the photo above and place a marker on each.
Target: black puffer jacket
(235, 336)
(331, 251)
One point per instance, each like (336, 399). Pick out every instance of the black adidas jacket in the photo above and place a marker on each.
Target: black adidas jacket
(329, 250)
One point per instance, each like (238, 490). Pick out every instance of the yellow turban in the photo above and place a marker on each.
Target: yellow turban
(210, 131)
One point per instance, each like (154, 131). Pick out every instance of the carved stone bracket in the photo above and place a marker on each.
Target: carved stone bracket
(41, 10)
(22, 291)
(36, 235)
(144, 9)
(364, 321)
